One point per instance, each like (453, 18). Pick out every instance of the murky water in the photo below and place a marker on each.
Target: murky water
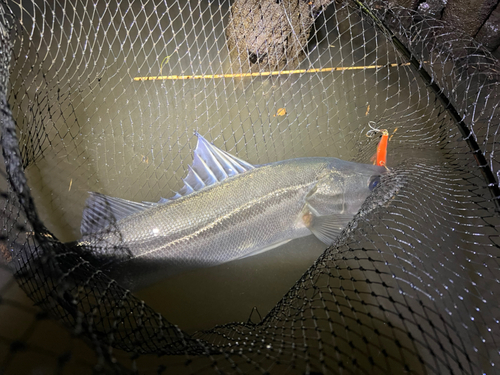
(131, 139)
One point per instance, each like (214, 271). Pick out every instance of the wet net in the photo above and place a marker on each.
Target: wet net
(106, 96)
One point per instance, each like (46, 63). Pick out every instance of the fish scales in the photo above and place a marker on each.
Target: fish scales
(223, 222)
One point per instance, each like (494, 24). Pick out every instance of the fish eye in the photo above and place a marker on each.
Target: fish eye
(374, 181)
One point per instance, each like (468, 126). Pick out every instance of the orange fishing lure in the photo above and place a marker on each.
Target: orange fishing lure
(380, 157)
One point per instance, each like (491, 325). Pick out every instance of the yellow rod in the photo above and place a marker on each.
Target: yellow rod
(264, 74)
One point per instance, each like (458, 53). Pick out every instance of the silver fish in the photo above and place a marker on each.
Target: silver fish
(227, 209)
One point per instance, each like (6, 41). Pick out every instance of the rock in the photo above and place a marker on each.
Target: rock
(432, 8)
(319, 5)
(489, 34)
(409, 4)
(467, 15)
(270, 34)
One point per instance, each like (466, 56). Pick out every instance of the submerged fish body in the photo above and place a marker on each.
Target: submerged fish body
(226, 210)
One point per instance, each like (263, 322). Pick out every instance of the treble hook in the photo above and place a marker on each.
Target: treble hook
(373, 130)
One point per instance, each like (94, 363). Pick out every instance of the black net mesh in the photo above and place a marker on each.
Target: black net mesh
(105, 96)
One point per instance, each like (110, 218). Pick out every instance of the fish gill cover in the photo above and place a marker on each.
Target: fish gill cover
(106, 96)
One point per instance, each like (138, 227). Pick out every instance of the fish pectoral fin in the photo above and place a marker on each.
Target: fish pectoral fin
(101, 211)
(326, 228)
(265, 249)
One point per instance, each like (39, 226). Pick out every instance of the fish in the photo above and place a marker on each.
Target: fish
(227, 209)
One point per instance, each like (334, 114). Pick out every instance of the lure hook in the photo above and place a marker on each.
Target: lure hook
(373, 130)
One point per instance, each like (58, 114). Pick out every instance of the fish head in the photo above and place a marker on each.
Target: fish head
(359, 184)
(338, 194)
(342, 187)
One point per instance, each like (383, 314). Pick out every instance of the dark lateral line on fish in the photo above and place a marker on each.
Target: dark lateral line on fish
(266, 74)
(466, 132)
(222, 218)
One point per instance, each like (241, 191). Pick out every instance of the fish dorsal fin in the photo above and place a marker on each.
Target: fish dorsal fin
(161, 201)
(221, 163)
(210, 166)
(102, 211)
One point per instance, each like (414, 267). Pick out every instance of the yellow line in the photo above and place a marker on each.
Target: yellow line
(264, 74)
